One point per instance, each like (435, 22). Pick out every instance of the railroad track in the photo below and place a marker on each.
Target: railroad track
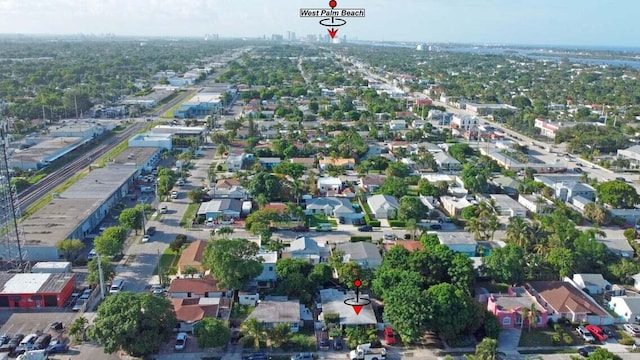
(51, 181)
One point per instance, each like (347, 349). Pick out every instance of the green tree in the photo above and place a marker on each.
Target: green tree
(394, 186)
(398, 169)
(108, 271)
(255, 330)
(411, 207)
(487, 349)
(135, 323)
(426, 188)
(617, 193)
(211, 333)
(279, 334)
(506, 264)
(232, 262)
(70, 248)
(562, 261)
(196, 195)
(76, 330)
(450, 311)
(294, 170)
(265, 184)
(406, 307)
(603, 354)
(388, 278)
(288, 267)
(461, 152)
(106, 245)
(320, 275)
(131, 218)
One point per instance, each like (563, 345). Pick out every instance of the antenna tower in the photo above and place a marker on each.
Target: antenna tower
(11, 231)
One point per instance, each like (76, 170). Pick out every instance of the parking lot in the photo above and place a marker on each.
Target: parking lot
(26, 322)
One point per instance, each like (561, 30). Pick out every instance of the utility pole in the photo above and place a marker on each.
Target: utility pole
(144, 231)
(75, 100)
(160, 270)
(101, 277)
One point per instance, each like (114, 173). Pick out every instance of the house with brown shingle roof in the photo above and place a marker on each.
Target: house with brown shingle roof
(197, 287)
(191, 257)
(227, 183)
(563, 300)
(411, 245)
(348, 163)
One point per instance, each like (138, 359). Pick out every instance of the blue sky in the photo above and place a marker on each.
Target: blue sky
(553, 22)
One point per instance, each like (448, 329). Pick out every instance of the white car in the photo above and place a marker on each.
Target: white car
(163, 209)
(92, 254)
(181, 341)
(157, 289)
(632, 329)
(174, 194)
(146, 238)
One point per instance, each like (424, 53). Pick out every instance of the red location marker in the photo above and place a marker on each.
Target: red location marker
(357, 283)
(333, 4)
(332, 32)
(357, 309)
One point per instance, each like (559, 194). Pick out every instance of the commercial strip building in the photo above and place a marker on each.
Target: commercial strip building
(36, 290)
(200, 105)
(74, 213)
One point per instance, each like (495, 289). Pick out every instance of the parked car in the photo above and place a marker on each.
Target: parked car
(302, 356)
(578, 170)
(57, 347)
(255, 356)
(12, 344)
(146, 238)
(389, 236)
(78, 305)
(42, 342)
(163, 209)
(300, 228)
(174, 194)
(181, 341)
(632, 329)
(365, 228)
(26, 344)
(389, 336)
(337, 343)
(157, 289)
(92, 254)
(597, 332)
(4, 339)
(324, 345)
(56, 325)
(86, 294)
(436, 227)
(587, 350)
(585, 334)
(151, 230)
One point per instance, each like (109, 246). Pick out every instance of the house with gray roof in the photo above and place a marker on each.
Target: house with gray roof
(383, 206)
(325, 205)
(507, 184)
(363, 253)
(446, 162)
(272, 313)
(306, 248)
(227, 208)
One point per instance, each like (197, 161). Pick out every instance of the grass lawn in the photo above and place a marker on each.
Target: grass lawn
(189, 215)
(168, 262)
(544, 337)
(549, 351)
(494, 287)
(315, 219)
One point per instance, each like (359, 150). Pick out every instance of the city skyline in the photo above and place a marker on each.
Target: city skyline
(571, 22)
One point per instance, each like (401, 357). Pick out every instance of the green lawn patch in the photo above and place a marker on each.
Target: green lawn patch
(169, 113)
(549, 351)
(315, 219)
(549, 337)
(240, 312)
(168, 262)
(189, 215)
(494, 287)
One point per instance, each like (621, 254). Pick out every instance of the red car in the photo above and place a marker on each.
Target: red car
(597, 332)
(389, 336)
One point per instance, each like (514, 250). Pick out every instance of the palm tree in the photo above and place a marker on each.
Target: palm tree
(532, 315)
(412, 226)
(524, 316)
(475, 227)
(490, 226)
(517, 231)
(255, 329)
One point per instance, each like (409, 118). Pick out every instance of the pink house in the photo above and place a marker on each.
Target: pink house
(508, 308)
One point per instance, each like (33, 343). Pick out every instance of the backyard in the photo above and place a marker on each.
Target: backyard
(560, 335)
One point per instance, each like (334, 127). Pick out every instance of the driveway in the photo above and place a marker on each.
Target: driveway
(508, 341)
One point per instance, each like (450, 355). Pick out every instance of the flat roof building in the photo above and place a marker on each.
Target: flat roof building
(33, 290)
(44, 152)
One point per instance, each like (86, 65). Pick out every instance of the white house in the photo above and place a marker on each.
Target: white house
(308, 249)
(382, 206)
(325, 205)
(268, 274)
(329, 184)
(461, 242)
(446, 162)
(627, 307)
(506, 206)
(235, 162)
(363, 253)
(593, 283)
(535, 203)
(465, 122)
(396, 125)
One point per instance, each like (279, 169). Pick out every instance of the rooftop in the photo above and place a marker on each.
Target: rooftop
(277, 311)
(136, 156)
(194, 285)
(456, 238)
(355, 251)
(564, 297)
(194, 309)
(192, 255)
(34, 283)
(516, 299)
(333, 302)
(183, 130)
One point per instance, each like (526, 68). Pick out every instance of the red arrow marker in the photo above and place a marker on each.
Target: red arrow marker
(357, 309)
(332, 32)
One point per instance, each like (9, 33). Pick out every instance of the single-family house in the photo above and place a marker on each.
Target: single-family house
(268, 275)
(592, 283)
(562, 300)
(506, 206)
(272, 313)
(535, 203)
(371, 183)
(226, 184)
(459, 241)
(446, 162)
(225, 208)
(325, 205)
(190, 261)
(508, 185)
(190, 311)
(508, 308)
(627, 307)
(396, 125)
(197, 287)
(347, 163)
(269, 162)
(382, 206)
(332, 301)
(453, 205)
(308, 162)
(410, 245)
(329, 184)
(235, 162)
(363, 253)
(235, 192)
(306, 248)
(567, 190)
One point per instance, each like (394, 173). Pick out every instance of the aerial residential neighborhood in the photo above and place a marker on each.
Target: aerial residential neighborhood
(317, 197)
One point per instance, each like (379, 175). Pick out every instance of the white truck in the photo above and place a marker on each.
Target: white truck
(366, 352)
(33, 355)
